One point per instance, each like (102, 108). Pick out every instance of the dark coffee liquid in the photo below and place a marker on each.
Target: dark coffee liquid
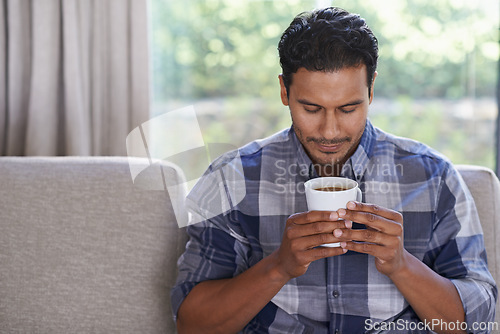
(336, 188)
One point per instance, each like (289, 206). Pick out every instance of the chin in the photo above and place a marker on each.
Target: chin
(326, 160)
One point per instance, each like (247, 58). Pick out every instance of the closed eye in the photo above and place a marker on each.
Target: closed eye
(347, 111)
(309, 106)
(350, 107)
(312, 110)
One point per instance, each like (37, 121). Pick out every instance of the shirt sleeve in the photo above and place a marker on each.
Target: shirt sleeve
(217, 246)
(457, 249)
(211, 253)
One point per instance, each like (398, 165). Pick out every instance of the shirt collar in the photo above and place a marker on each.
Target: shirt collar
(359, 160)
(303, 160)
(355, 165)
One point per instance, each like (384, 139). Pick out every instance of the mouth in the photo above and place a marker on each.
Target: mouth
(329, 148)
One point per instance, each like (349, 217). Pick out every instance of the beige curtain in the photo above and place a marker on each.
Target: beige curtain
(74, 75)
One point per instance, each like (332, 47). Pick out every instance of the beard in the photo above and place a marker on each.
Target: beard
(328, 163)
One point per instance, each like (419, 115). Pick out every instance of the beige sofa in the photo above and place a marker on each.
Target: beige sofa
(83, 249)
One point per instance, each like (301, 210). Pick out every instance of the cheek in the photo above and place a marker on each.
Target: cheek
(301, 115)
(309, 127)
(353, 124)
(305, 122)
(357, 131)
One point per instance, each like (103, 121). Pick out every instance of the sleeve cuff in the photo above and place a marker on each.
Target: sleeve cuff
(478, 300)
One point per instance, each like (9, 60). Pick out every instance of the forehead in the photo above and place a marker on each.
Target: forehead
(347, 83)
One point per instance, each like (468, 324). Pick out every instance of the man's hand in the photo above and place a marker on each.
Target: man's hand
(431, 295)
(382, 238)
(304, 232)
(227, 305)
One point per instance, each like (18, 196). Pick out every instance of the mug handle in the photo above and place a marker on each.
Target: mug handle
(359, 195)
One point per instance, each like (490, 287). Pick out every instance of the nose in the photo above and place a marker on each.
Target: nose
(330, 126)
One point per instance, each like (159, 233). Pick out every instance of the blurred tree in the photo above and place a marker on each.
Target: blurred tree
(428, 48)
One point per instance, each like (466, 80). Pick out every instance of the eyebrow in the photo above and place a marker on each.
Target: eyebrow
(353, 103)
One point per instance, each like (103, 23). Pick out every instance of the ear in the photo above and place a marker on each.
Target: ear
(373, 84)
(284, 95)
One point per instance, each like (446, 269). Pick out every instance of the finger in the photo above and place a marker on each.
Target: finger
(294, 231)
(373, 221)
(324, 252)
(348, 223)
(312, 217)
(369, 236)
(381, 253)
(365, 248)
(312, 241)
(376, 210)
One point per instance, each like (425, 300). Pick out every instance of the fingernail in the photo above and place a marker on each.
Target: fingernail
(343, 245)
(334, 216)
(337, 233)
(348, 224)
(351, 205)
(341, 212)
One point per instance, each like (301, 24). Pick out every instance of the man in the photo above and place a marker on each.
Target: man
(414, 259)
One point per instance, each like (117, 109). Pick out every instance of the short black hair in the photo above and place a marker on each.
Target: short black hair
(328, 40)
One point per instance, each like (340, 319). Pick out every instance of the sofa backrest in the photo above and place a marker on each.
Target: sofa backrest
(83, 249)
(485, 188)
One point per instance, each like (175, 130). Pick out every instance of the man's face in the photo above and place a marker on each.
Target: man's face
(329, 111)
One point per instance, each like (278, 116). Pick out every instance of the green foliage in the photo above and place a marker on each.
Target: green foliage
(464, 139)
(218, 48)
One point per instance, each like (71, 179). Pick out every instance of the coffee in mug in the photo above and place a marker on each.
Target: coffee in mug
(332, 188)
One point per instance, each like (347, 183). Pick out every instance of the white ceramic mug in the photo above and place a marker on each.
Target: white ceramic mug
(331, 200)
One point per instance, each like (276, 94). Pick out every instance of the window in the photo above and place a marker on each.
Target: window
(437, 68)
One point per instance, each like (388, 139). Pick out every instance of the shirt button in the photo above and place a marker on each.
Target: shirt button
(335, 294)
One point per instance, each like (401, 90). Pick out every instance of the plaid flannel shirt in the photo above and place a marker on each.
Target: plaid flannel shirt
(346, 293)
